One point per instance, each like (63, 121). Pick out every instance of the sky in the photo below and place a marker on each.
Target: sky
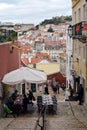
(33, 11)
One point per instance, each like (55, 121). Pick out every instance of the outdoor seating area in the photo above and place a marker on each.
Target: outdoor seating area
(50, 102)
(14, 80)
(17, 109)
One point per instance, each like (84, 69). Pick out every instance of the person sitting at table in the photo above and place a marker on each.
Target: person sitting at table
(14, 95)
(18, 105)
(10, 103)
(71, 92)
(18, 100)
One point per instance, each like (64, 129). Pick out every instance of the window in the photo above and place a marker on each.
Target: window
(84, 12)
(75, 47)
(33, 87)
(84, 53)
(79, 49)
(75, 18)
(79, 14)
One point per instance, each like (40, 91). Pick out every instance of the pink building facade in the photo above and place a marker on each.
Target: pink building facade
(8, 61)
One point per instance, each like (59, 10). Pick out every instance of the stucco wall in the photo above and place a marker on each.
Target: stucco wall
(48, 68)
(8, 61)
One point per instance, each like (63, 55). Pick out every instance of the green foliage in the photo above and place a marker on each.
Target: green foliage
(50, 30)
(7, 35)
(37, 27)
(56, 20)
(68, 18)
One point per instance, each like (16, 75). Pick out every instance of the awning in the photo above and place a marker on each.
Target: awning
(24, 74)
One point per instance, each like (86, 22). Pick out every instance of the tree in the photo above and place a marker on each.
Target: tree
(50, 30)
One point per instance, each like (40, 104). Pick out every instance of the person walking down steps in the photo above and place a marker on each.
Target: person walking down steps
(46, 89)
(80, 94)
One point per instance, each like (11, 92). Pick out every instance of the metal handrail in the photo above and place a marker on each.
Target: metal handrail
(43, 115)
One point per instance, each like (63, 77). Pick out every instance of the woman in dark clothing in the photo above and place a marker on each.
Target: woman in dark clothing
(46, 90)
(30, 97)
(80, 94)
(71, 92)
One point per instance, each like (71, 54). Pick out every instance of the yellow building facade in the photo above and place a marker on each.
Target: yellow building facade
(79, 35)
(49, 68)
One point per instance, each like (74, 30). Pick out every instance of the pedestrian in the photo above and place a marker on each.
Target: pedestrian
(46, 89)
(63, 86)
(58, 87)
(54, 86)
(71, 92)
(55, 89)
(30, 97)
(80, 94)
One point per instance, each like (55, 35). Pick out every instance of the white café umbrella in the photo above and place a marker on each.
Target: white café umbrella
(24, 74)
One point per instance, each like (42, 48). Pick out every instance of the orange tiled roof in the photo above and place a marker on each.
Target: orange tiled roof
(52, 43)
(25, 61)
(43, 56)
(58, 76)
(26, 49)
(35, 60)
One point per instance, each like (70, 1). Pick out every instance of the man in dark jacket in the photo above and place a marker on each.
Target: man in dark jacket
(80, 94)
(14, 95)
(46, 89)
(30, 97)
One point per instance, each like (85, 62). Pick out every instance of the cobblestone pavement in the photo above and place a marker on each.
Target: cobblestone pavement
(69, 116)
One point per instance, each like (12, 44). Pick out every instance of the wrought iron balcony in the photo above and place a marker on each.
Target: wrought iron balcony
(79, 31)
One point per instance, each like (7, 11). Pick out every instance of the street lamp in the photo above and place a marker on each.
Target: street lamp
(20, 51)
(70, 31)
